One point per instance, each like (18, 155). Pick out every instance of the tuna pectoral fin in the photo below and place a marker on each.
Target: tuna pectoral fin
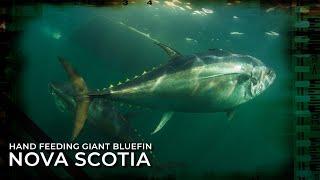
(81, 96)
(165, 118)
(230, 114)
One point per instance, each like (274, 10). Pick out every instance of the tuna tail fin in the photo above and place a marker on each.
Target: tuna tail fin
(81, 96)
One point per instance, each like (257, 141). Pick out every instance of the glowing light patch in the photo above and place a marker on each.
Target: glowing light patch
(270, 9)
(174, 4)
(272, 33)
(199, 13)
(3, 26)
(191, 40)
(237, 67)
(56, 35)
(158, 82)
(208, 11)
(236, 33)
(171, 4)
(188, 7)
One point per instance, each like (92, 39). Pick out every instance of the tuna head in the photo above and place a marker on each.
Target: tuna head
(258, 77)
(236, 78)
(261, 78)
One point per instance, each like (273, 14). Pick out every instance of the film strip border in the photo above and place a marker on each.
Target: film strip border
(306, 64)
(5, 38)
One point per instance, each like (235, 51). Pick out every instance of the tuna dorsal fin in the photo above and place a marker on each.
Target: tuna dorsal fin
(230, 114)
(170, 51)
(165, 118)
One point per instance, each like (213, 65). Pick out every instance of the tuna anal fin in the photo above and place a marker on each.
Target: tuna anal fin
(170, 51)
(165, 118)
(82, 98)
(230, 114)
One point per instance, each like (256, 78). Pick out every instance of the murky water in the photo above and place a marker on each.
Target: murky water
(91, 38)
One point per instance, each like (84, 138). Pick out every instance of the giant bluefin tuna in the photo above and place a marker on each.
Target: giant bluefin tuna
(213, 81)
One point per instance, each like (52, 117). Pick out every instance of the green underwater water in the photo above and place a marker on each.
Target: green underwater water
(104, 52)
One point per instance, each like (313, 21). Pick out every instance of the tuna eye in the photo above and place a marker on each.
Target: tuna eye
(243, 78)
(254, 81)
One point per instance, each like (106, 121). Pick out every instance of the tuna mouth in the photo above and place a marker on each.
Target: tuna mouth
(267, 76)
(270, 76)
